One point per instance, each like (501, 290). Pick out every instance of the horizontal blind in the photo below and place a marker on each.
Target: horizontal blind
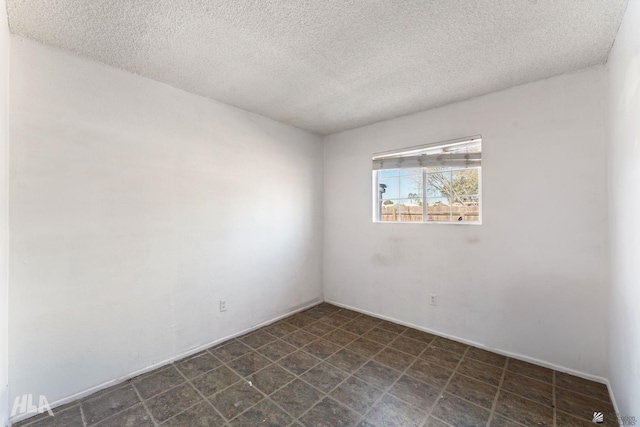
(460, 153)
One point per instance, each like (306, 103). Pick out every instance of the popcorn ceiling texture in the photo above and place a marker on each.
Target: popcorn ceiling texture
(330, 65)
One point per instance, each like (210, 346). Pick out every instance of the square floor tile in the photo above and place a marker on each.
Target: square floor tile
(200, 415)
(230, 350)
(530, 370)
(356, 394)
(395, 359)
(430, 373)
(377, 374)
(408, 345)
(321, 348)
(523, 410)
(276, 350)
(441, 357)
(347, 360)
(265, 413)
(329, 413)
(214, 381)
(480, 371)
(257, 339)
(527, 387)
(324, 377)
(157, 381)
(458, 412)
(415, 392)
(299, 362)
(172, 402)
(197, 364)
(249, 363)
(136, 416)
(392, 412)
(296, 397)
(108, 404)
(475, 391)
(236, 399)
(271, 378)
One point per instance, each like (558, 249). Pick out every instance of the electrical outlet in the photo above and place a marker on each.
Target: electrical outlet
(223, 305)
(433, 299)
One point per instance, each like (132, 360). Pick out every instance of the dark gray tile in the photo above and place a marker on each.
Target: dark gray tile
(70, 417)
(475, 391)
(300, 320)
(434, 422)
(500, 421)
(335, 320)
(271, 378)
(348, 313)
(415, 392)
(487, 357)
(380, 335)
(357, 326)
(236, 399)
(458, 412)
(421, 336)
(530, 370)
(319, 328)
(582, 406)
(347, 360)
(480, 371)
(265, 413)
(197, 364)
(276, 350)
(451, 345)
(200, 415)
(392, 327)
(324, 377)
(257, 339)
(300, 338)
(215, 381)
(527, 387)
(356, 394)
(523, 410)
(172, 402)
(299, 362)
(408, 345)
(365, 347)
(157, 381)
(296, 397)
(392, 412)
(230, 350)
(377, 374)
(135, 416)
(321, 348)
(280, 329)
(249, 363)
(395, 359)
(441, 357)
(329, 413)
(108, 404)
(341, 337)
(430, 373)
(580, 385)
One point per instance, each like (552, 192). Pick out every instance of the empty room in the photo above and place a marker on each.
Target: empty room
(367, 213)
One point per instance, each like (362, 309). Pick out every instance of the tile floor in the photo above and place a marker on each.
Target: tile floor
(329, 366)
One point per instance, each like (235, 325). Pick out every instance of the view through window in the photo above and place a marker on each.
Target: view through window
(431, 183)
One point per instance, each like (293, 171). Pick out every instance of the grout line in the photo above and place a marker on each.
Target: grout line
(84, 421)
(144, 404)
(495, 399)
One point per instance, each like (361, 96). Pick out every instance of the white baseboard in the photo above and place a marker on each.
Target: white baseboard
(484, 347)
(165, 362)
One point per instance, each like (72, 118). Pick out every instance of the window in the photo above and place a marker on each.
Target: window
(438, 182)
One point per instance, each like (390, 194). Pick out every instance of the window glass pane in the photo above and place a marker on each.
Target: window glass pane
(389, 211)
(410, 210)
(439, 184)
(465, 182)
(410, 171)
(438, 209)
(411, 187)
(391, 188)
(387, 173)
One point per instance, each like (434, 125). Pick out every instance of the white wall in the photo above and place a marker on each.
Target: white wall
(134, 208)
(4, 214)
(624, 196)
(532, 279)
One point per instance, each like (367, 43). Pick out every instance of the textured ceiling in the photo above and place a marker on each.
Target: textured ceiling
(330, 65)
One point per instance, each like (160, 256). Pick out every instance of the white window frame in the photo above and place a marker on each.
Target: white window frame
(399, 156)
